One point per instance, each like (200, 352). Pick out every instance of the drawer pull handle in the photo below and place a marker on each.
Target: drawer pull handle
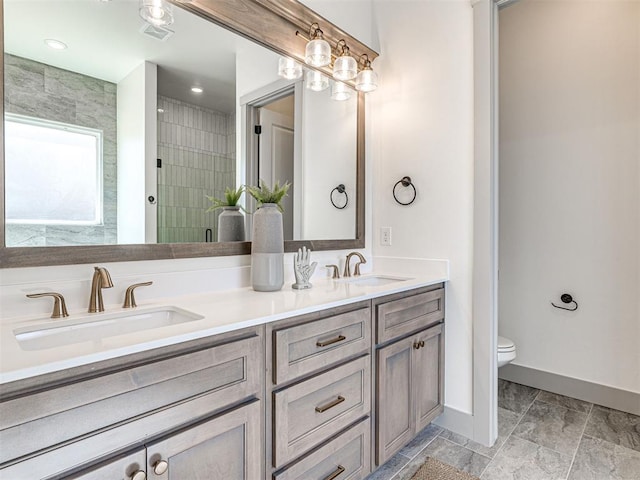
(335, 474)
(329, 405)
(339, 338)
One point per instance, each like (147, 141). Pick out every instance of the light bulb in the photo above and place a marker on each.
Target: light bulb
(288, 68)
(318, 52)
(345, 66)
(156, 12)
(340, 91)
(367, 80)
(316, 81)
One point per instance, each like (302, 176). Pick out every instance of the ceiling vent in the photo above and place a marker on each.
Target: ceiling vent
(159, 33)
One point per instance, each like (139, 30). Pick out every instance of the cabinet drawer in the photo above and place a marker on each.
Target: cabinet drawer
(305, 348)
(407, 315)
(346, 457)
(310, 412)
(231, 371)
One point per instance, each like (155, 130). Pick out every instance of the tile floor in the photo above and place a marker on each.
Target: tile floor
(541, 436)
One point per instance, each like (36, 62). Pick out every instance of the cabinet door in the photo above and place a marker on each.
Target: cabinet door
(128, 467)
(428, 375)
(226, 447)
(394, 398)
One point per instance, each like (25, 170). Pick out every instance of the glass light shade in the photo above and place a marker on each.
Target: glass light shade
(316, 81)
(289, 68)
(156, 12)
(340, 91)
(367, 80)
(318, 53)
(345, 68)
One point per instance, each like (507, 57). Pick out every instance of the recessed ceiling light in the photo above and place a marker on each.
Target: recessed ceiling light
(55, 44)
(196, 90)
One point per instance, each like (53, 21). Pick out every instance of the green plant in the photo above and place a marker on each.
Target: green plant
(231, 199)
(263, 194)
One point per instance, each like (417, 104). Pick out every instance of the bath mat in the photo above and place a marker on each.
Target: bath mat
(433, 469)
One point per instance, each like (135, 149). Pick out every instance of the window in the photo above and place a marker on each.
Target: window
(53, 172)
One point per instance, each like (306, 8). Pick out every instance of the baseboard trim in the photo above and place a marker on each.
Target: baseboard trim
(456, 421)
(572, 387)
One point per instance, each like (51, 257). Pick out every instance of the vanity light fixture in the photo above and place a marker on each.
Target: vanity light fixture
(288, 68)
(196, 90)
(340, 91)
(345, 66)
(316, 81)
(367, 79)
(317, 53)
(55, 44)
(156, 12)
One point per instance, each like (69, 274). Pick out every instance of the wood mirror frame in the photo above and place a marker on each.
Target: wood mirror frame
(270, 23)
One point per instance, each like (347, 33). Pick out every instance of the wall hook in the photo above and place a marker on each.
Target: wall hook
(566, 298)
(405, 182)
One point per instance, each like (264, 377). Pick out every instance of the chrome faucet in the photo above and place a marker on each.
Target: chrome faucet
(347, 268)
(101, 279)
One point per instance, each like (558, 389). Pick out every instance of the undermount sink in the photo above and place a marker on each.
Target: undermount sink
(374, 280)
(95, 327)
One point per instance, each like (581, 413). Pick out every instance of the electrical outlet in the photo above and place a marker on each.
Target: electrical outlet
(385, 236)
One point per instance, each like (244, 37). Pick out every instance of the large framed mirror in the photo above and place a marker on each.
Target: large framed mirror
(149, 122)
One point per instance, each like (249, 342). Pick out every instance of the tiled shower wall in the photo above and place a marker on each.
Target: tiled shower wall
(197, 149)
(38, 90)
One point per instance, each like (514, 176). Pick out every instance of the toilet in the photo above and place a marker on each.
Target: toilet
(506, 351)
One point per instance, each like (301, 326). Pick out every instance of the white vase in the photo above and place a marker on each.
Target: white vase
(231, 225)
(267, 249)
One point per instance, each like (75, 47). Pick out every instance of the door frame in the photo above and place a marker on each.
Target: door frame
(486, 218)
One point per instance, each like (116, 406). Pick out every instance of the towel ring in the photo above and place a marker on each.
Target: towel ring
(341, 189)
(406, 182)
(566, 298)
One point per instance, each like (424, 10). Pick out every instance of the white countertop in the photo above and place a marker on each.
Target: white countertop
(222, 311)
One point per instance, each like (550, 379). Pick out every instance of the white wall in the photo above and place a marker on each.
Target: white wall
(569, 187)
(422, 127)
(137, 147)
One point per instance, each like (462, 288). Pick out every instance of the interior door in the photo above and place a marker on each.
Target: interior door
(276, 153)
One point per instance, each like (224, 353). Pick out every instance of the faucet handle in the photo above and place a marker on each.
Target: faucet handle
(59, 305)
(129, 297)
(335, 271)
(356, 272)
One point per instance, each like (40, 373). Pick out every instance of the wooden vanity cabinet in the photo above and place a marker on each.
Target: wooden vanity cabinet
(410, 371)
(191, 405)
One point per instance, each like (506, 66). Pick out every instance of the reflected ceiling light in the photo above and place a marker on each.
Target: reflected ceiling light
(316, 81)
(161, 110)
(318, 51)
(196, 90)
(288, 68)
(55, 44)
(340, 91)
(156, 12)
(367, 79)
(345, 67)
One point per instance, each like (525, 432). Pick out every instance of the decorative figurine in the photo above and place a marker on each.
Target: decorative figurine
(302, 269)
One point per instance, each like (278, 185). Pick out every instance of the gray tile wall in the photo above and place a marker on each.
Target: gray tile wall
(42, 91)
(197, 148)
